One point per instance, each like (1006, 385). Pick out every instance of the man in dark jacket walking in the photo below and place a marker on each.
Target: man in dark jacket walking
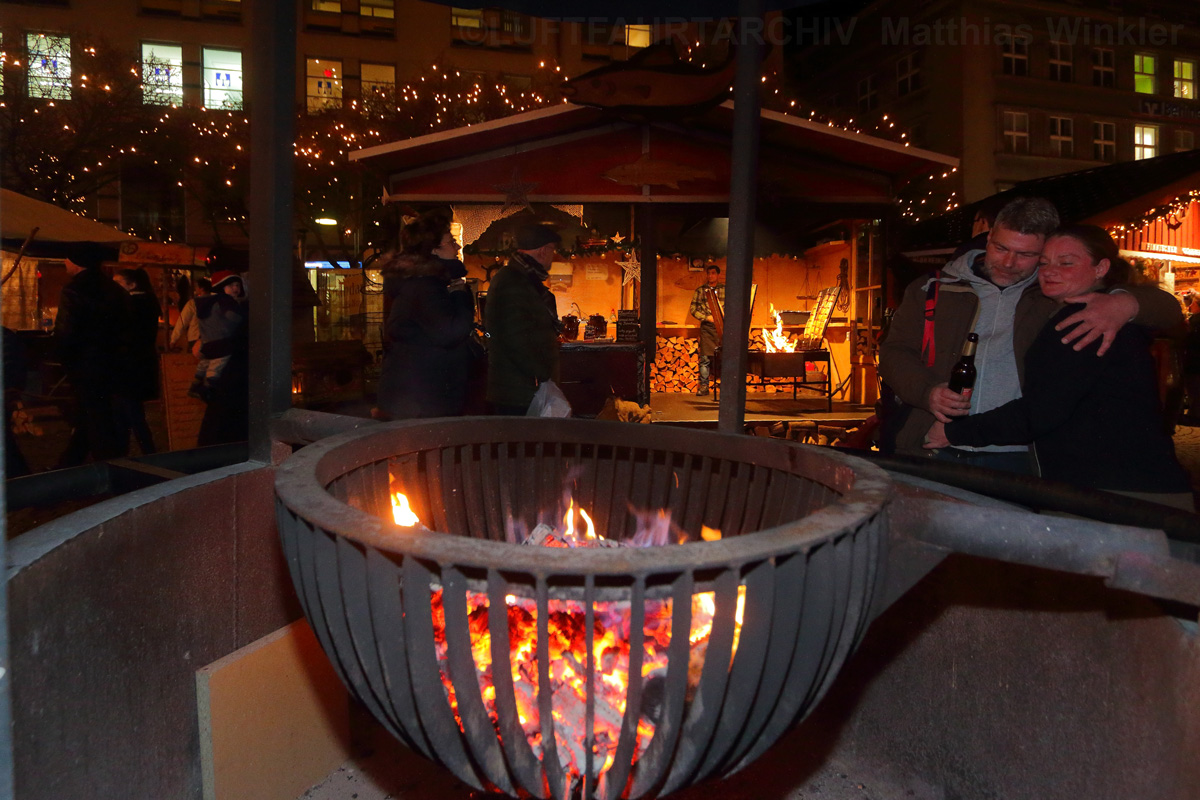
(91, 335)
(522, 320)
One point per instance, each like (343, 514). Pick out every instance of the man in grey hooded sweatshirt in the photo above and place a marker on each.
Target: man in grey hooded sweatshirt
(993, 292)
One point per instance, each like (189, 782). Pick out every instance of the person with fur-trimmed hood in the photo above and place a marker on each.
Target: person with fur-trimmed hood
(427, 362)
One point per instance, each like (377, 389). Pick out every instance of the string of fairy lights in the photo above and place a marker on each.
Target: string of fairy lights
(209, 147)
(1175, 209)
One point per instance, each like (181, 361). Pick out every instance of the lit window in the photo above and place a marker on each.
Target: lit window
(1184, 140)
(378, 88)
(1185, 79)
(1015, 50)
(1016, 132)
(384, 9)
(49, 65)
(1104, 141)
(1062, 137)
(908, 74)
(324, 84)
(327, 5)
(3, 62)
(868, 95)
(1145, 141)
(1062, 64)
(1104, 72)
(1143, 74)
(162, 74)
(637, 35)
(466, 17)
(514, 24)
(222, 78)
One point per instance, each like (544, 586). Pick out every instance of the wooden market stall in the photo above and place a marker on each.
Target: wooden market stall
(639, 194)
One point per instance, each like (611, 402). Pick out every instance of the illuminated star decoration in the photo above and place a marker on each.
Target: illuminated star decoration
(516, 193)
(618, 238)
(632, 268)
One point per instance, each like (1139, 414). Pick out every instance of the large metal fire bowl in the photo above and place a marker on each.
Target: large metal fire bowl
(802, 532)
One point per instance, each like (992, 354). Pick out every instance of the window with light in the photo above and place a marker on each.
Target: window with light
(381, 9)
(466, 17)
(334, 6)
(637, 35)
(378, 88)
(1143, 73)
(162, 74)
(49, 65)
(1185, 79)
(222, 78)
(1145, 141)
(324, 82)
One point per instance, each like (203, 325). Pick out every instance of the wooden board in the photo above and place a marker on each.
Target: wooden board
(274, 718)
(184, 414)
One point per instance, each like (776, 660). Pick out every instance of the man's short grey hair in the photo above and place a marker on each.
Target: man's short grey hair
(1029, 215)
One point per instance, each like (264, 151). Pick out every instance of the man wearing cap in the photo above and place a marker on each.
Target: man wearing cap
(522, 321)
(91, 333)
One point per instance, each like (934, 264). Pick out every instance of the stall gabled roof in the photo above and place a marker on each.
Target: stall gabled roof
(20, 214)
(572, 153)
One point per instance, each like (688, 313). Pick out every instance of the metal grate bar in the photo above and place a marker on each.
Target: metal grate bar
(387, 621)
(652, 767)
(484, 748)
(433, 707)
(706, 705)
(554, 773)
(748, 666)
(521, 760)
(618, 776)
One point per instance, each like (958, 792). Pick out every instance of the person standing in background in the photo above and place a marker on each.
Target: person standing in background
(521, 317)
(91, 334)
(701, 310)
(141, 369)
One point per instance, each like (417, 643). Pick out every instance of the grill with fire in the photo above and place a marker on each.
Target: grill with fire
(557, 609)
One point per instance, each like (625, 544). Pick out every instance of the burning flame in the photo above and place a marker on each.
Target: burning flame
(569, 656)
(402, 512)
(775, 340)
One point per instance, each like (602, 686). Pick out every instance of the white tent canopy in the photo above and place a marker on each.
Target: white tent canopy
(19, 215)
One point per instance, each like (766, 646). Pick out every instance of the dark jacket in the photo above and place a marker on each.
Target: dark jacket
(522, 320)
(141, 363)
(92, 329)
(902, 365)
(1095, 422)
(428, 328)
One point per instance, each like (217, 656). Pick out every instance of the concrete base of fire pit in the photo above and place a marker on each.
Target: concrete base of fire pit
(391, 772)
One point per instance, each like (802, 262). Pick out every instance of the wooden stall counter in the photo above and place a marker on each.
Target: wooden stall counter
(590, 372)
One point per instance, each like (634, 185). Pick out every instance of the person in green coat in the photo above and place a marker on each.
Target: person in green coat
(521, 317)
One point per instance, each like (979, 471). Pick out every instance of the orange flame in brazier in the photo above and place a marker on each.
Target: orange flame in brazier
(775, 340)
(567, 632)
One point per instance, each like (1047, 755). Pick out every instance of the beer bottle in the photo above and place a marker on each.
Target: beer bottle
(962, 377)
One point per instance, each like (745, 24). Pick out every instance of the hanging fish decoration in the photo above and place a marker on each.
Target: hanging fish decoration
(653, 78)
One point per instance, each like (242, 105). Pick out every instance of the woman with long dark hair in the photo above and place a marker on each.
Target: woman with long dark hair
(429, 323)
(1093, 421)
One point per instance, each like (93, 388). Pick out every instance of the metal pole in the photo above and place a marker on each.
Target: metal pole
(743, 186)
(272, 124)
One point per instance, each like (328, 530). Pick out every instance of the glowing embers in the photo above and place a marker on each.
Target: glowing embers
(567, 648)
(775, 340)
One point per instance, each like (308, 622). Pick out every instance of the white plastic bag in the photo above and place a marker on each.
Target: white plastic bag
(549, 401)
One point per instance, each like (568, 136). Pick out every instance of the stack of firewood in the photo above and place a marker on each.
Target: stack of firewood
(675, 366)
(675, 361)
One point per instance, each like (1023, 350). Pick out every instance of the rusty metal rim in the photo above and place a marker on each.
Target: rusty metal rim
(299, 487)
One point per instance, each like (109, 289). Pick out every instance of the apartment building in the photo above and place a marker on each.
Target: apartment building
(1018, 90)
(350, 54)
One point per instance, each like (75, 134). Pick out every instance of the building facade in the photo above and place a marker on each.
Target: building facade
(1018, 90)
(351, 54)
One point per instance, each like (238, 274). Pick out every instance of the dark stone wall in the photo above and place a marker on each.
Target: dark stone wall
(991, 680)
(112, 610)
